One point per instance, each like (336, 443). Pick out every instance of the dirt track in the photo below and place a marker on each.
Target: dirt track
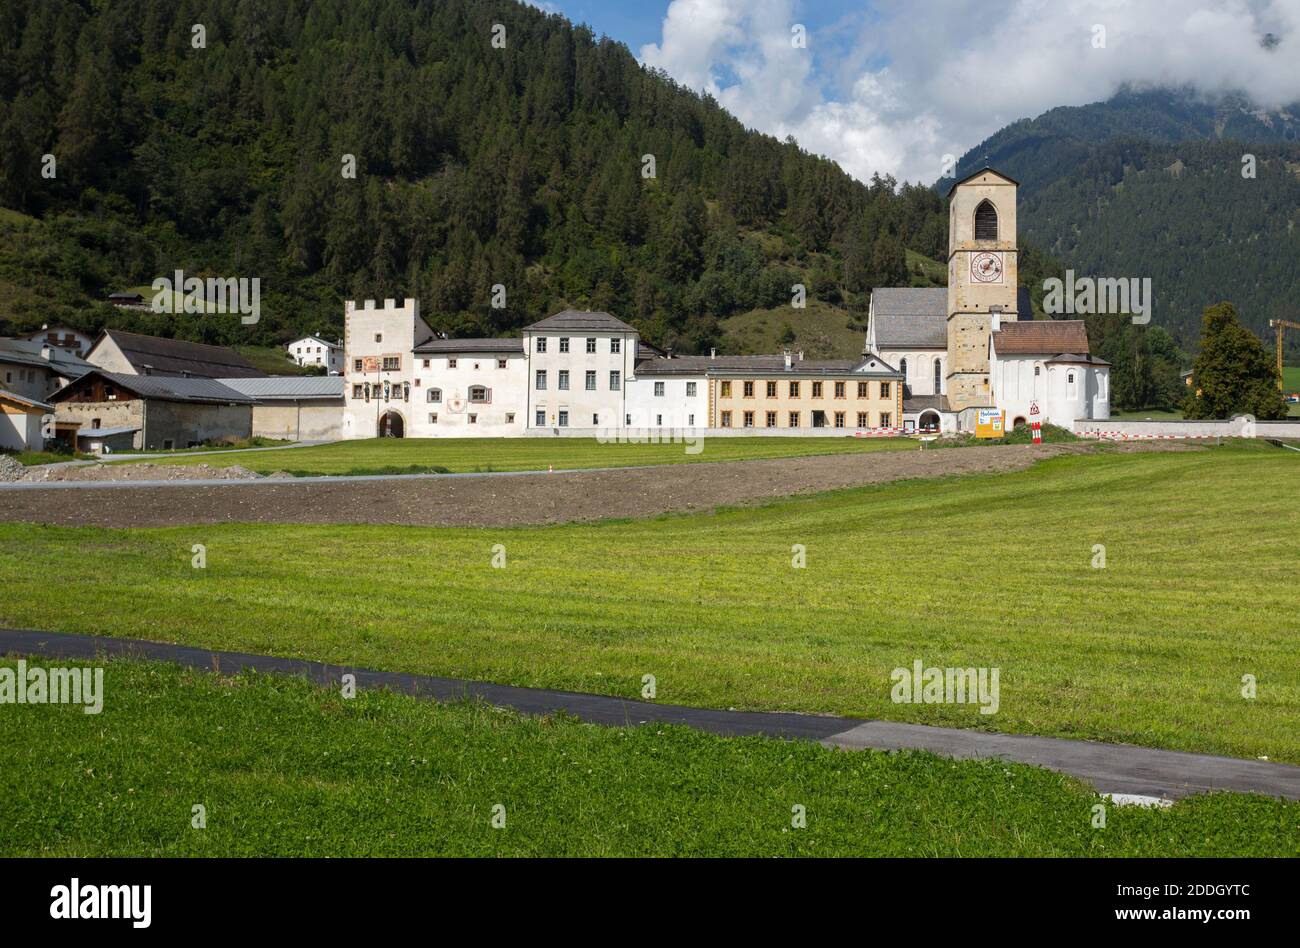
(505, 501)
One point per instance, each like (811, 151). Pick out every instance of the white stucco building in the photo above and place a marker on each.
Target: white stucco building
(578, 364)
(468, 388)
(313, 350)
(1040, 370)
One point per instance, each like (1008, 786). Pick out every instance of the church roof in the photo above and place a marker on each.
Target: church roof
(910, 316)
(1041, 337)
(976, 174)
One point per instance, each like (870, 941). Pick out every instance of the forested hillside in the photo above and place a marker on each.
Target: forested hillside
(1150, 184)
(476, 165)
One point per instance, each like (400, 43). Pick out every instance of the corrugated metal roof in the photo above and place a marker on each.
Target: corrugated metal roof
(580, 319)
(165, 388)
(278, 387)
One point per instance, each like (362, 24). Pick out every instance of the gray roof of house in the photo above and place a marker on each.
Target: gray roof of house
(24, 400)
(759, 366)
(287, 387)
(105, 432)
(28, 352)
(910, 316)
(577, 320)
(436, 344)
(166, 388)
(179, 356)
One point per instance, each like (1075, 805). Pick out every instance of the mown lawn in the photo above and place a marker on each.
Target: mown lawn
(469, 455)
(1198, 590)
(285, 768)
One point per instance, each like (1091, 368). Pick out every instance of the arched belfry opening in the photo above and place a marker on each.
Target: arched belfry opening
(986, 221)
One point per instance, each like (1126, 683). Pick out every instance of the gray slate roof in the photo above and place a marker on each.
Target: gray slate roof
(574, 319)
(28, 352)
(165, 388)
(23, 399)
(287, 387)
(435, 344)
(906, 317)
(177, 356)
(760, 366)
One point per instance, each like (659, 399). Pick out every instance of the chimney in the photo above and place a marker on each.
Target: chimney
(713, 353)
(800, 355)
(787, 358)
(46, 352)
(668, 353)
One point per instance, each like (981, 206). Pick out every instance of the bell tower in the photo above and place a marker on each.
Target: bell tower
(982, 279)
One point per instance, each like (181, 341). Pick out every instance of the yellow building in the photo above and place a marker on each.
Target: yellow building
(790, 392)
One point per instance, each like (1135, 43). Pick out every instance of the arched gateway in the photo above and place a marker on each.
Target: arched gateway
(391, 425)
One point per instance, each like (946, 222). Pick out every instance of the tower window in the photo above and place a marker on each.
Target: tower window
(986, 221)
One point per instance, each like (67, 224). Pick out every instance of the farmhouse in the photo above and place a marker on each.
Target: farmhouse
(315, 351)
(116, 410)
(134, 354)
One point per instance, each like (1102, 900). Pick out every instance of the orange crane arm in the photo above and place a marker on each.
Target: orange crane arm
(1281, 325)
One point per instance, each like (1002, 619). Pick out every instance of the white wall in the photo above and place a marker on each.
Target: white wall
(501, 415)
(675, 408)
(601, 408)
(397, 328)
(1063, 391)
(21, 431)
(920, 368)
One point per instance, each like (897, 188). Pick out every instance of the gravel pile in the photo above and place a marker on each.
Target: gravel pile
(10, 469)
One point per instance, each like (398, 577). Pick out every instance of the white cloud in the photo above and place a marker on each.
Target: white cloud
(920, 80)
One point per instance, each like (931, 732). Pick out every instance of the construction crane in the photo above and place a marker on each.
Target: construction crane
(1281, 325)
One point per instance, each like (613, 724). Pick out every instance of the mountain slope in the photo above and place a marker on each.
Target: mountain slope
(1150, 184)
(523, 165)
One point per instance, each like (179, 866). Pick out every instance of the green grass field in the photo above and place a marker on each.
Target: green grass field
(468, 455)
(286, 768)
(1199, 589)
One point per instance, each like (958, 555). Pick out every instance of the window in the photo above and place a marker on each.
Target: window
(616, 345)
(564, 380)
(473, 419)
(539, 419)
(862, 389)
(659, 389)
(433, 395)
(938, 377)
(726, 390)
(356, 391)
(884, 390)
(794, 392)
(595, 420)
(886, 420)
(817, 390)
(510, 418)
(417, 383)
(1036, 369)
(168, 444)
(986, 221)
(690, 420)
(541, 344)
(726, 419)
(627, 419)
(501, 363)
(451, 363)
(771, 390)
(771, 419)
(358, 365)
(862, 419)
(690, 389)
(476, 366)
(659, 421)
(591, 344)
(379, 337)
(749, 419)
(839, 389)
(839, 419)
(1070, 378)
(94, 423)
(433, 417)
(392, 363)
(794, 419)
(478, 393)
(749, 389)
(591, 381)
(564, 343)
(564, 418)
(615, 380)
(426, 363)
(540, 384)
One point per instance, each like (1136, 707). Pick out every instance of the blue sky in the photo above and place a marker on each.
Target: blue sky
(897, 86)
